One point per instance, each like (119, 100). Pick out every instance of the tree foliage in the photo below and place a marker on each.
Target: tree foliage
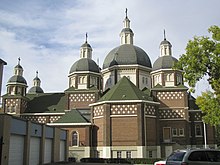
(202, 59)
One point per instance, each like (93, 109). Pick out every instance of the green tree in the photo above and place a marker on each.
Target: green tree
(202, 59)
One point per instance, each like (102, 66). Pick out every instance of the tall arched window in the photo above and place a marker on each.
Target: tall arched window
(74, 138)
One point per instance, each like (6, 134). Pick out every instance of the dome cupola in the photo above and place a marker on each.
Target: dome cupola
(85, 73)
(166, 60)
(17, 84)
(36, 88)
(127, 60)
(126, 33)
(85, 63)
(18, 75)
(127, 53)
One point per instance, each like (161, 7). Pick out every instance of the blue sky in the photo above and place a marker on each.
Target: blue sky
(47, 34)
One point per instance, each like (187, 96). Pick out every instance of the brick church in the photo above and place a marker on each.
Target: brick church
(129, 108)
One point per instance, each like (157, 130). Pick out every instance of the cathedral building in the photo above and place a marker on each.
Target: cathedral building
(129, 108)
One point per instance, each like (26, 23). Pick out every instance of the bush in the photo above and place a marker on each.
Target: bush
(119, 160)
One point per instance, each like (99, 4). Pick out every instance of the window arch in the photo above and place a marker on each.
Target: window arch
(75, 138)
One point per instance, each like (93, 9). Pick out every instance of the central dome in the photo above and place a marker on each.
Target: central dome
(127, 54)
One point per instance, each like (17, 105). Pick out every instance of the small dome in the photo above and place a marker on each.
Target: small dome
(18, 66)
(17, 79)
(127, 54)
(35, 89)
(165, 42)
(85, 64)
(36, 79)
(86, 45)
(127, 30)
(164, 62)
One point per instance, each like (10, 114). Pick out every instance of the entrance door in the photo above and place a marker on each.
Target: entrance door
(167, 134)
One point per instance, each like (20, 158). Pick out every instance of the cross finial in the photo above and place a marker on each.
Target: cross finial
(19, 59)
(164, 34)
(86, 37)
(36, 73)
(126, 12)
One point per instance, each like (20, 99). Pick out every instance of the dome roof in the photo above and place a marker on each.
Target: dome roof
(164, 62)
(86, 45)
(126, 30)
(17, 79)
(18, 66)
(165, 42)
(36, 79)
(35, 89)
(85, 64)
(127, 54)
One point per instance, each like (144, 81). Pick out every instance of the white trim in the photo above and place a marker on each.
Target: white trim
(67, 124)
(123, 115)
(97, 117)
(151, 116)
(41, 114)
(83, 72)
(16, 83)
(103, 71)
(161, 70)
(124, 101)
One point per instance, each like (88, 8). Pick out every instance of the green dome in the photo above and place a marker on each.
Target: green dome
(85, 64)
(17, 79)
(35, 89)
(164, 62)
(127, 54)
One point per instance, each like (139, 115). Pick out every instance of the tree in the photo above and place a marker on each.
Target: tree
(202, 59)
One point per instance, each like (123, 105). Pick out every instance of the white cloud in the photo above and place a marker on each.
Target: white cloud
(47, 35)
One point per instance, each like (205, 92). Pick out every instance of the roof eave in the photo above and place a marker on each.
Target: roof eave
(124, 101)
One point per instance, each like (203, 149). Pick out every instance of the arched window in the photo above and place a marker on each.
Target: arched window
(74, 138)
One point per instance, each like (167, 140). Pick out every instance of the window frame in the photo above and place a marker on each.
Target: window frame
(74, 140)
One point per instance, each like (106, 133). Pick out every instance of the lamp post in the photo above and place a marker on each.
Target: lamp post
(205, 140)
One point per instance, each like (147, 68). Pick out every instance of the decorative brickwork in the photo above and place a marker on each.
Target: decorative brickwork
(82, 97)
(172, 114)
(170, 95)
(41, 119)
(98, 111)
(128, 109)
(150, 110)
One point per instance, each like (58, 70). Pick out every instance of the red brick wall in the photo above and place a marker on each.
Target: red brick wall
(83, 133)
(151, 131)
(124, 131)
(99, 131)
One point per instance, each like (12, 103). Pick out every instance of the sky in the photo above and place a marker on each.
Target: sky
(47, 34)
